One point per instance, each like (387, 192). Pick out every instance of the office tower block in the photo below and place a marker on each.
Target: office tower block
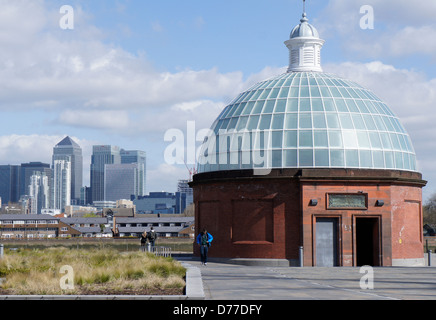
(184, 196)
(39, 191)
(67, 147)
(121, 181)
(61, 196)
(9, 183)
(139, 157)
(27, 170)
(101, 156)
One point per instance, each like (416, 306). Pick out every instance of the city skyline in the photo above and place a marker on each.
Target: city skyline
(131, 70)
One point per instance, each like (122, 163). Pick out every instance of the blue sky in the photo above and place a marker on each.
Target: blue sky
(132, 69)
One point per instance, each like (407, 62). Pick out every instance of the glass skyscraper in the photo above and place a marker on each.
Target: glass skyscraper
(139, 157)
(101, 155)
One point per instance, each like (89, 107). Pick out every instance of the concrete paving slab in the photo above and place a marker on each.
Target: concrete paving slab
(238, 282)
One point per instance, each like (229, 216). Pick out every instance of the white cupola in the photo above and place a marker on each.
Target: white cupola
(304, 48)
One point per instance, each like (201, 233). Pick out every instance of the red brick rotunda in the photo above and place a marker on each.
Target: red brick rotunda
(311, 168)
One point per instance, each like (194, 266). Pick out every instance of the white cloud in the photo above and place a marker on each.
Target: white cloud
(402, 27)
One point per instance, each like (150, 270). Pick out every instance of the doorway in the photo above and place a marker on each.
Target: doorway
(327, 242)
(367, 242)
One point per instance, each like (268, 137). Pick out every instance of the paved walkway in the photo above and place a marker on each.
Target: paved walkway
(236, 282)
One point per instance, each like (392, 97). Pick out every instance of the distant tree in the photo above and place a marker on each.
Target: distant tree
(189, 211)
(429, 210)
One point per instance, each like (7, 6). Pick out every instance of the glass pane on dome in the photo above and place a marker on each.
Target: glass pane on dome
(388, 123)
(305, 120)
(314, 92)
(341, 105)
(335, 92)
(361, 105)
(258, 107)
(365, 159)
(312, 81)
(406, 161)
(240, 109)
(379, 161)
(319, 121)
(292, 105)
(256, 95)
(337, 158)
(325, 92)
(329, 105)
(278, 120)
(305, 105)
(280, 106)
(242, 124)
(395, 142)
(304, 81)
(274, 93)
(345, 93)
(233, 123)
(352, 158)
(335, 139)
(284, 92)
(249, 108)
(317, 104)
(379, 123)
(398, 160)
(346, 122)
(306, 158)
(276, 158)
(375, 140)
(265, 94)
(333, 121)
(389, 157)
(358, 122)
(295, 92)
(322, 158)
(291, 121)
(269, 106)
(277, 139)
(363, 139)
(306, 139)
(290, 158)
(321, 139)
(304, 92)
(350, 139)
(370, 124)
(291, 139)
(265, 122)
(352, 106)
(253, 122)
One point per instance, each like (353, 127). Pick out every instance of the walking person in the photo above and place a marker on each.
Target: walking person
(204, 240)
(143, 241)
(152, 236)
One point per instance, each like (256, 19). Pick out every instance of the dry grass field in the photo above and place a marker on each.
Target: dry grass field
(93, 271)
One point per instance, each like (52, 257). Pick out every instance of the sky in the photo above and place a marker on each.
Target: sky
(130, 70)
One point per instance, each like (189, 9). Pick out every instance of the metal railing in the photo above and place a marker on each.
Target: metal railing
(161, 251)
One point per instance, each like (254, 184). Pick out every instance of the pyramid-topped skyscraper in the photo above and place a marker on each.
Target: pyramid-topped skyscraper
(68, 147)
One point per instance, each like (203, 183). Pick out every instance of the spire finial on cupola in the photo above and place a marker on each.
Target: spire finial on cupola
(304, 46)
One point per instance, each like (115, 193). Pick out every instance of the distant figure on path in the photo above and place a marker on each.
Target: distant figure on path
(204, 240)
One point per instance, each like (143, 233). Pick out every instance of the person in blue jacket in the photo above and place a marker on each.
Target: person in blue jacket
(204, 240)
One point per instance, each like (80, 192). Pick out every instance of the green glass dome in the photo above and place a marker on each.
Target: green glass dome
(307, 120)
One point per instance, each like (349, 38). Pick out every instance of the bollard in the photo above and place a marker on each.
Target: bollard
(301, 257)
(1, 251)
(429, 258)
